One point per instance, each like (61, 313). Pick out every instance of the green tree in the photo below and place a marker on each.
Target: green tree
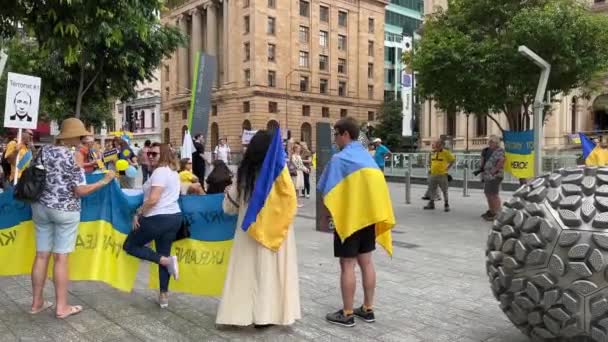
(99, 48)
(467, 59)
(390, 127)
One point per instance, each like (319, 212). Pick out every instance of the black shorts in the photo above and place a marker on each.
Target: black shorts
(361, 242)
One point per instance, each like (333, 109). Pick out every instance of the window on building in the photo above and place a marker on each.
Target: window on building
(153, 119)
(246, 23)
(246, 107)
(304, 8)
(370, 70)
(184, 114)
(324, 39)
(482, 126)
(305, 110)
(304, 34)
(272, 52)
(370, 92)
(273, 107)
(272, 78)
(272, 3)
(323, 63)
(303, 83)
(343, 113)
(371, 116)
(342, 88)
(370, 48)
(343, 18)
(450, 123)
(166, 119)
(325, 112)
(247, 51)
(371, 23)
(341, 42)
(324, 14)
(407, 23)
(247, 77)
(341, 66)
(272, 23)
(323, 86)
(304, 59)
(167, 92)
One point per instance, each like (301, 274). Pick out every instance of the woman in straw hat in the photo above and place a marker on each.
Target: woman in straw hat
(56, 216)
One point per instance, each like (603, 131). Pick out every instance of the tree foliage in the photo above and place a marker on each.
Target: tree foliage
(390, 127)
(96, 50)
(467, 60)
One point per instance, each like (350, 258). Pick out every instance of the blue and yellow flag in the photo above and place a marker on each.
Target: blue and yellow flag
(593, 155)
(587, 145)
(24, 160)
(356, 194)
(273, 203)
(519, 153)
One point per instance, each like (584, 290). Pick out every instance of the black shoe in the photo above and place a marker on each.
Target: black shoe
(262, 326)
(430, 206)
(446, 208)
(489, 216)
(426, 198)
(339, 318)
(486, 214)
(366, 315)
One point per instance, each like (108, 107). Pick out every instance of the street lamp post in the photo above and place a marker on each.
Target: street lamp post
(286, 102)
(538, 104)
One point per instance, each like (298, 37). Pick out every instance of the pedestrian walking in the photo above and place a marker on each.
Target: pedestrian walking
(298, 179)
(381, 153)
(158, 219)
(56, 216)
(261, 286)
(492, 176)
(307, 160)
(352, 179)
(222, 152)
(441, 162)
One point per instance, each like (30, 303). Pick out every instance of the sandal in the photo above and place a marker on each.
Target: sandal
(74, 310)
(45, 305)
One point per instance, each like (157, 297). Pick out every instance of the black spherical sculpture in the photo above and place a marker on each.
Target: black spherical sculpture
(547, 256)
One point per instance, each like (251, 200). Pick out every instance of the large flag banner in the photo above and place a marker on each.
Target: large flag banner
(356, 194)
(106, 219)
(203, 258)
(202, 84)
(519, 153)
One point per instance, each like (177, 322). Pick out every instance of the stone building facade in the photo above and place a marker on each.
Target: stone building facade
(289, 63)
(571, 113)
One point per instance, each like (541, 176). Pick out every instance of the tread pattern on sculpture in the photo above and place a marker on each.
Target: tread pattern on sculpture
(547, 256)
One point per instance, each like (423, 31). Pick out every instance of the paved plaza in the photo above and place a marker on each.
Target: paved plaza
(434, 288)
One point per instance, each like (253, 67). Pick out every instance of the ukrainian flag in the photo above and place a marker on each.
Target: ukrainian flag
(24, 160)
(273, 203)
(593, 155)
(356, 194)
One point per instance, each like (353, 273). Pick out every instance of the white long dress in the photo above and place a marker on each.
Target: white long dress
(261, 286)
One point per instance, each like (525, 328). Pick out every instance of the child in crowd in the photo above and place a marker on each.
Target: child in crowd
(189, 182)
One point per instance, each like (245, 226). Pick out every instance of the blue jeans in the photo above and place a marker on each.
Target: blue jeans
(161, 229)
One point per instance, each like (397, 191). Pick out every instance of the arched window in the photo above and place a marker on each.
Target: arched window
(272, 125)
(482, 126)
(450, 121)
(215, 135)
(247, 125)
(167, 136)
(573, 116)
(142, 118)
(306, 134)
(153, 119)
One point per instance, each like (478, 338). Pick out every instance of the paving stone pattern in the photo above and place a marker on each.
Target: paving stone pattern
(434, 288)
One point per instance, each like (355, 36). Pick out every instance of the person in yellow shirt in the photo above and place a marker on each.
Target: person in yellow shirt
(441, 162)
(599, 155)
(189, 182)
(20, 155)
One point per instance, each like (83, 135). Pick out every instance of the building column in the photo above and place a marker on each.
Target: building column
(225, 54)
(182, 62)
(196, 39)
(212, 34)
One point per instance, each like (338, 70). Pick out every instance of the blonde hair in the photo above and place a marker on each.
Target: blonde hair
(495, 139)
(167, 157)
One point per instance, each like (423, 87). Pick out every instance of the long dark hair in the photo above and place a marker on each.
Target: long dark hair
(252, 163)
(219, 178)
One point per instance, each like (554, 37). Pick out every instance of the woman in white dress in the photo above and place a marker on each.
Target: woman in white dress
(298, 179)
(261, 286)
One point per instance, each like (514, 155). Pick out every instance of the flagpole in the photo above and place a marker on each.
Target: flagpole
(17, 157)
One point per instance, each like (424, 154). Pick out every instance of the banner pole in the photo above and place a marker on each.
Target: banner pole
(16, 177)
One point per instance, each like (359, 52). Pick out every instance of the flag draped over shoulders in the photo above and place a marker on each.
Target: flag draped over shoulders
(356, 194)
(272, 206)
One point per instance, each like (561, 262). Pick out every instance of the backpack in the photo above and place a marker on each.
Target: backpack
(32, 181)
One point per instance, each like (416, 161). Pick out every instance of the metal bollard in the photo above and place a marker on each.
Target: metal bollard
(465, 181)
(408, 180)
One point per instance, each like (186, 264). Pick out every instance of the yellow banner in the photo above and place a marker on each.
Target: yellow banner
(202, 267)
(520, 165)
(17, 249)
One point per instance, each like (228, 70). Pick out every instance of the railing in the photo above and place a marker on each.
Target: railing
(397, 165)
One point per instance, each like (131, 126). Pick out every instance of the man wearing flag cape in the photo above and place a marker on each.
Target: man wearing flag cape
(356, 195)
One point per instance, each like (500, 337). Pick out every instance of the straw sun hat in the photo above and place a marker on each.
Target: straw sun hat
(72, 128)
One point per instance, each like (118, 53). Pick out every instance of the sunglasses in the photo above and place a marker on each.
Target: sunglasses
(153, 154)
